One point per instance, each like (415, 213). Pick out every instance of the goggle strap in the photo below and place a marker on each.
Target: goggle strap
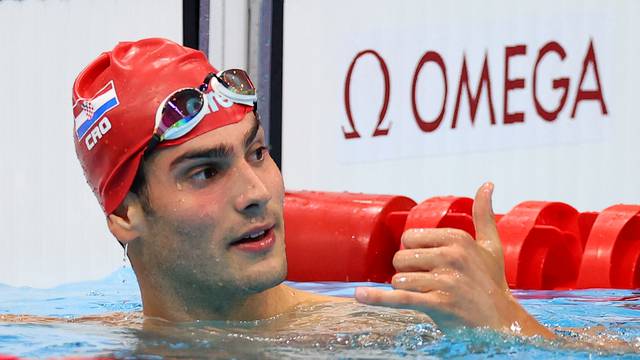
(221, 80)
(207, 80)
(155, 140)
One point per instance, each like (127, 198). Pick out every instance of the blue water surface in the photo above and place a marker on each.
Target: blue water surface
(617, 311)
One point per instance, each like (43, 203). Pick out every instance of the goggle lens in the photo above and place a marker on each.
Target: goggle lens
(179, 109)
(238, 81)
(183, 110)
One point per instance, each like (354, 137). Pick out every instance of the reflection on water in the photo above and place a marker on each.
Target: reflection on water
(318, 329)
(60, 325)
(343, 330)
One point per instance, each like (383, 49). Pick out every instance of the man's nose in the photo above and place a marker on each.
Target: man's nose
(253, 194)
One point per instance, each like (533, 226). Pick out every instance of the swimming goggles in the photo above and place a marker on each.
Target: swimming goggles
(181, 111)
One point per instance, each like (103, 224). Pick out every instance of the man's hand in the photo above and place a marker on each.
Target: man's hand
(455, 280)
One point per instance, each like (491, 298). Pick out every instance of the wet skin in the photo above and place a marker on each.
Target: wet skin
(207, 195)
(215, 189)
(455, 279)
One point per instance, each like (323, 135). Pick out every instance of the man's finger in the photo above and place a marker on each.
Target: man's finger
(400, 299)
(420, 281)
(430, 238)
(484, 221)
(417, 260)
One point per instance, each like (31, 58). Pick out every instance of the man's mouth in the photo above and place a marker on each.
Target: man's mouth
(258, 240)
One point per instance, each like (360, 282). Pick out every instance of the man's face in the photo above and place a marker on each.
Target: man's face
(216, 222)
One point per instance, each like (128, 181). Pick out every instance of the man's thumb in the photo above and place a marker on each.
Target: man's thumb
(483, 219)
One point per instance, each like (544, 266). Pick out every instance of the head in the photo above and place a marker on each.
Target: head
(202, 212)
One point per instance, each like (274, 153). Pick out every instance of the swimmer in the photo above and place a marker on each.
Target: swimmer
(176, 156)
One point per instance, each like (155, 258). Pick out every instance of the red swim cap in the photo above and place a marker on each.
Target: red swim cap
(115, 100)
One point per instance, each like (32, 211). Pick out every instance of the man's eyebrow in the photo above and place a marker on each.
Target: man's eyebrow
(221, 151)
(250, 135)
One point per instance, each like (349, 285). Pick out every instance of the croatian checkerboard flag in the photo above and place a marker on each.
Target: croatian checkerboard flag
(88, 111)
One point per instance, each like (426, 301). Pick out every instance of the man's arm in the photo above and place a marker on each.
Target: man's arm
(456, 280)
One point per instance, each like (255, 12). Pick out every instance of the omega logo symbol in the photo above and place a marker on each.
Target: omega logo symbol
(558, 88)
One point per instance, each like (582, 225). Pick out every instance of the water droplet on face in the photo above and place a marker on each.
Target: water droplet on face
(179, 186)
(253, 220)
(416, 255)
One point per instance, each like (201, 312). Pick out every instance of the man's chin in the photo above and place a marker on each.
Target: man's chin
(257, 274)
(263, 280)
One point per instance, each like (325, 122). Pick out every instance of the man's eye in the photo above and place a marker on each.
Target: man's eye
(204, 174)
(260, 153)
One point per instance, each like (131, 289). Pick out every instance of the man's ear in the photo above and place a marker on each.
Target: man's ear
(127, 222)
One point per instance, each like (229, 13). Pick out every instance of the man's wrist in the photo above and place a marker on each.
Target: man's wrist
(525, 324)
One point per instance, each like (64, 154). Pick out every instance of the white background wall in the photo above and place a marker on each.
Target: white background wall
(52, 229)
(590, 162)
(228, 29)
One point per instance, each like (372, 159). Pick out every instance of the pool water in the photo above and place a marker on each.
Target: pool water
(341, 330)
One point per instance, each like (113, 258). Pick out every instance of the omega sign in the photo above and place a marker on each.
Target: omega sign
(482, 91)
